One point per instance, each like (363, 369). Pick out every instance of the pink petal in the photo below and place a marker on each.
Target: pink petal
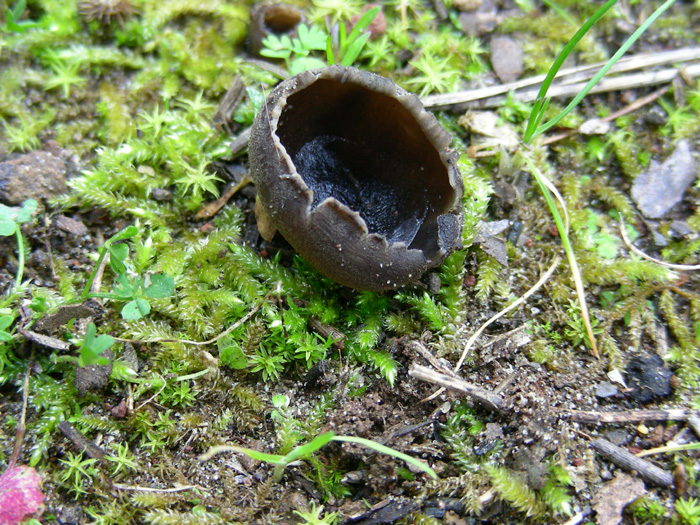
(20, 495)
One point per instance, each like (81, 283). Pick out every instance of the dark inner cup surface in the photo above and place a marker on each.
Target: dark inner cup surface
(368, 151)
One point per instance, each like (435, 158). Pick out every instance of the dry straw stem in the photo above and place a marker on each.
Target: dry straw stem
(545, 277)
(569, 82)
(632, 247)
(121, 486)
(486, 398)
(564, 233)
(595, 417)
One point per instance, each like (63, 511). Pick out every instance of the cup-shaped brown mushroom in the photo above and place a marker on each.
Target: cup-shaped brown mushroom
(272, 19)
(357, 176)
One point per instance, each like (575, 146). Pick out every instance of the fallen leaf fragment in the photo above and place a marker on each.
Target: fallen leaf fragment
(611, 500)
(20, 495)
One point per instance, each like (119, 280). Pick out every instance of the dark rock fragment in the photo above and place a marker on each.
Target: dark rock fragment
(37, 175)
(648, 378)
(93, 377)
(69, 225)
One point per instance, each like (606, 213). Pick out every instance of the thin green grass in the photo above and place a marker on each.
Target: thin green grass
(533, 126)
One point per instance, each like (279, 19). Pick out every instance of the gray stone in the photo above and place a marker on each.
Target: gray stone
(69, 225)
(662, 186)
(37, 175)
(506, 58)
(606, 389)
(93, 377)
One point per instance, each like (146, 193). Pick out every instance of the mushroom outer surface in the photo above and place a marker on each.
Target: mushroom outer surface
(357, 176)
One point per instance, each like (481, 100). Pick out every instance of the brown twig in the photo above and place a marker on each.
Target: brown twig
(121, 486)
(213, 208)
(327, 331)
(22, 425)
(627, 461)
(484, 397)
(628, 416)
(230, 101)
(421, 350)
(240, 142)
(81, 442)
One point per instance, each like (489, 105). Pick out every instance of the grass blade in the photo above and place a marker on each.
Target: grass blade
(390, 451)
(530, 132)
(563, 228)
(620, 52)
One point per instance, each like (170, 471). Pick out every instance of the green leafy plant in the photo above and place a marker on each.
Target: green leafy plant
(90, 348)
(123, 460)
(65, 76)
(137, 291)
(13, 21)
(576, 330)
(22, 136)
(78, 472)
(315, 516)
(295, 51)
(5, 335)
(350, 46)
(282, 462)
(134, 291)
(688, 511)
(118, 253)
(10, 221)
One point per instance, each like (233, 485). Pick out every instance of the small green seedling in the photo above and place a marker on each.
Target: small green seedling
(13, 24)
(91, 348)
(136, 291)
(303, 451)
(350, 46)
(118, 253)
(295, 51)
(10, 220)
(5, 323)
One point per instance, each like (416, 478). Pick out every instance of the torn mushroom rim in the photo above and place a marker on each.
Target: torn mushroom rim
(432, 131)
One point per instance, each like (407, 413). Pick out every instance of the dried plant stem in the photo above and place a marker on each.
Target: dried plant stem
(628, 416)
(486, 398)
(628, 461)
(640, 102)
(22, 425)
(543, 279)
(516, 304)
(213, 208)
(572, 80)
(121, 486)
(546, 186)
(632, 247)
